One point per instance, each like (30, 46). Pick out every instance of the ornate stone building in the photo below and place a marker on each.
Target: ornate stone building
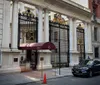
(64, 23)
(94, 5)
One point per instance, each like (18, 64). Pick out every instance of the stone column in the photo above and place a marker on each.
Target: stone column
(86, 37)
(88, 40)
(4, 29)
(40, 25)
(44, 35)
(10, 60)
(73, 42)
(75, 35)
(40, 35)
(5, 32)
(71, 33)
(46, 25)
(15, 25)
(46, 32)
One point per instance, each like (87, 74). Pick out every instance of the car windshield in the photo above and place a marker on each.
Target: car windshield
(86, 63)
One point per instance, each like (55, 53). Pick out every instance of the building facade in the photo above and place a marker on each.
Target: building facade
(94, 5)
(64, 23)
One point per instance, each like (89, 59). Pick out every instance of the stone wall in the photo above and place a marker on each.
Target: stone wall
(1, 20)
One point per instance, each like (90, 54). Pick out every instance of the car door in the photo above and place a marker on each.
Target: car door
(96, 66)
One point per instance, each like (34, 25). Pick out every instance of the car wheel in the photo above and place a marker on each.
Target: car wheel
(75, 75)
(90, 73)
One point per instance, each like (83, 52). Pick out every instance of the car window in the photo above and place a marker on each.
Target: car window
(96, 62)
(86, 62)
(90, 63)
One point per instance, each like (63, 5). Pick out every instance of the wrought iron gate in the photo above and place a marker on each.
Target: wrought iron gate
(27, 28)
(81, 43)
(28, 31)
(59, 35)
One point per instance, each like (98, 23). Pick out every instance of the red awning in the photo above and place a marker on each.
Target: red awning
(37, 46)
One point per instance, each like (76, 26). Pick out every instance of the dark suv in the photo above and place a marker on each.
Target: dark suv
(86, 68)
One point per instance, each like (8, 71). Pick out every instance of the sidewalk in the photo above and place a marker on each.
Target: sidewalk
(33, 76)
(53, 73)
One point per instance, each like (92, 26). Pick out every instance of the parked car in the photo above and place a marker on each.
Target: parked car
(86, 68)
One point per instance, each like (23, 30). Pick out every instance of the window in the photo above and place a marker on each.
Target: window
(15, 59)
(96, 52)
(96, 62)
(95, 33)
(56, 36)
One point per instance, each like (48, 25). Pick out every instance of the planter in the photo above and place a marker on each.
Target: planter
(28, 66)
(25, 68)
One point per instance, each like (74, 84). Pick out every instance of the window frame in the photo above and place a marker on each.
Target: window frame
(95, 48)
(95, 33)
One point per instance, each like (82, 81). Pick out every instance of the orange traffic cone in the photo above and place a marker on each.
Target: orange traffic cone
(44, 79)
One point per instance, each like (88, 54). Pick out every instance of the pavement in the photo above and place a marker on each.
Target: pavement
(33, 76)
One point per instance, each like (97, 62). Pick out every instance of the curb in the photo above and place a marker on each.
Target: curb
(58, 77)
(27, 83)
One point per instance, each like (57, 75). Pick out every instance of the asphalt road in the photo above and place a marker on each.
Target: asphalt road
(71, 80)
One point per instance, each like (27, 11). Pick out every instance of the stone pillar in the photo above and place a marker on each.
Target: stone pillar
(88, 41)
(15, 25)
(46, 25)
(71, 33)
(10, 59)
(73, 42)
(46, 32)
(75, 35)
(45, 54)
(6, 27)
(86, 37)
(46, 62)
(40, 25)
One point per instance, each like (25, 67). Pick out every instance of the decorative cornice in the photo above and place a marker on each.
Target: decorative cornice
(67, 8)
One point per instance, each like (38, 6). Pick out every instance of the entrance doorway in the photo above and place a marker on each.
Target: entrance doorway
(31, 57)
(28, 33)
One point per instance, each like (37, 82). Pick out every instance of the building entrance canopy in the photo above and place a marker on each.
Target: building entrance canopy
(37, 46)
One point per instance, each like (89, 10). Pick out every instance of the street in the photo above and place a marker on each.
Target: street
(71, 80)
